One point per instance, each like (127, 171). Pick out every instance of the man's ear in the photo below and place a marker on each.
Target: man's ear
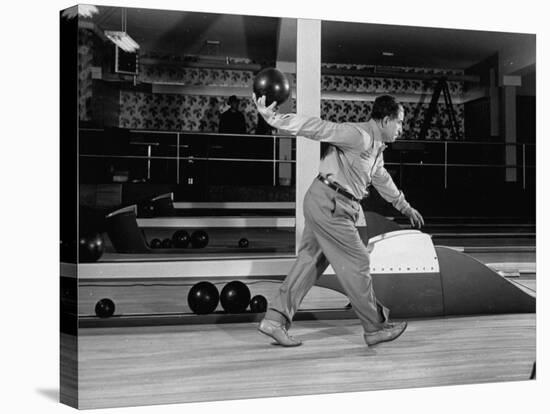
(385, 120)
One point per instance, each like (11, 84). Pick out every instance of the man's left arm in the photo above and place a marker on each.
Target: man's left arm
(382, 181)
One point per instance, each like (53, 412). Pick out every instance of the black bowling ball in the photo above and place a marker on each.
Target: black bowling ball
(258, 304)
(199, 239)
(235, 297)
(203, 298)
(155, 244)
(273, 84)
(90, 247)
(105, 308)
(243, 242)
(147, 210)
(166, 244)
(181, 239)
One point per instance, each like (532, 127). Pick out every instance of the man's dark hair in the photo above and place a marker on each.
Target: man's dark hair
(232, 99)
(385, 105)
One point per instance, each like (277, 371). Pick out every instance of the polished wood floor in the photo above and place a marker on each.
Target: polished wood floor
(153, 365)
(188, 363)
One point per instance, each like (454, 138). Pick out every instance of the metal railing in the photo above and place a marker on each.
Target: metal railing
(446, 164)
(275, 161)
(179, 145)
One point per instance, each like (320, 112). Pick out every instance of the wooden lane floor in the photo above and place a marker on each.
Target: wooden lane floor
(154, 365)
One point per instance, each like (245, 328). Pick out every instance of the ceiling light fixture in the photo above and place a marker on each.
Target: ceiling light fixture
(122, 40)
(387, 53)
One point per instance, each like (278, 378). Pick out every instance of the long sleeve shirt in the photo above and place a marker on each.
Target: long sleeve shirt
(355, 159)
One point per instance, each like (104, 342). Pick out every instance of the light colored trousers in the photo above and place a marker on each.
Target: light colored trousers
(330, 236)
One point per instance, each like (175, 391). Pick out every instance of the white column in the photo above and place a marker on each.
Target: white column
(308, 103)
(494, 105)
(286, 63)
(285, 144)
(508, 87)
(509, 98)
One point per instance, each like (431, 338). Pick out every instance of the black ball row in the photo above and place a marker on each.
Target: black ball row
(203, 298)
(181, 239)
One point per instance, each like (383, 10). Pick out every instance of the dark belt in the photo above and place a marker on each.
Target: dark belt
(337, 188)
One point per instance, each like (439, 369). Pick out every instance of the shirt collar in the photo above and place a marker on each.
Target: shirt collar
(375, 133)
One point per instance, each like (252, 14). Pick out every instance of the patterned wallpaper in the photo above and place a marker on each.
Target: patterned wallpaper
(195, 76)
(85, 57)
(242, 78)
(141, 110)
(381, 85)
(201, 113)
(357, 111)
(178, 112)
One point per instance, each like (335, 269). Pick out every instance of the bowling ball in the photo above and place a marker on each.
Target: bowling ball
(90, 247)
(203, 298)
(146, 210)
(199, 239)
(155, 244)
(105, 308)
(235, 297)
(181, 238)
(166, 244)
(258, 304)
(273, 84)
(243, 242)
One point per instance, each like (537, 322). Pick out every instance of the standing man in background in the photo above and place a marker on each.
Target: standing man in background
(232, 121)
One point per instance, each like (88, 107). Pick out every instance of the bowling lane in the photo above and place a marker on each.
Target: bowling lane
(153, 365)
(526, 283)
(223, 242)
(509, 256)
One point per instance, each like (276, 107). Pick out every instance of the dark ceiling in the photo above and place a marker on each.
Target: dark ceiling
(258, 38)
(415, 46)
(179, 33)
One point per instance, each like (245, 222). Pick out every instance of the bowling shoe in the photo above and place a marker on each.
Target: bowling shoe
(389, 332)
(277, 332)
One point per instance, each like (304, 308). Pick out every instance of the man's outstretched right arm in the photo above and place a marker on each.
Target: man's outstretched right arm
(341, 134)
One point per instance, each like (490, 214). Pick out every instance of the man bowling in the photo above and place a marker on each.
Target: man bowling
(353, 161)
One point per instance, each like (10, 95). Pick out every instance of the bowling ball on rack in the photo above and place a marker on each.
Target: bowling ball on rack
(146, 209)
(90, 247)
(199, 239)
(166, 243)
(155, 244)
(258, 304)
(243, 242)
(235, 297)
(203, 298)
(273, 84)
(181, 238)
(105, 308)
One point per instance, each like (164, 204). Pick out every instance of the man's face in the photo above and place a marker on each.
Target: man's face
(392, 128)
